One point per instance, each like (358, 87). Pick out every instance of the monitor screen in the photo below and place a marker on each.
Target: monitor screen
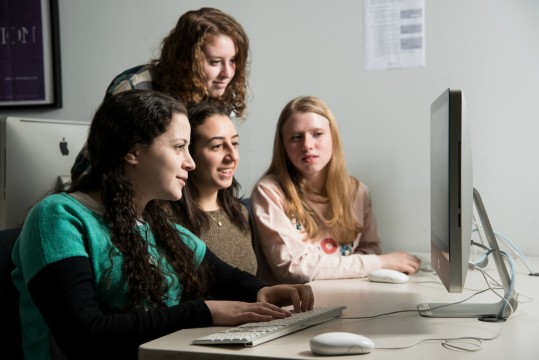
(37, 155)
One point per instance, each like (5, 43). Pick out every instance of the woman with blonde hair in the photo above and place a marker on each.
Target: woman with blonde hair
(314, 220)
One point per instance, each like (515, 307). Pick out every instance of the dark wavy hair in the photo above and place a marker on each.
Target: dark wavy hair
(122, 121)
(187, 210)
(179, 71)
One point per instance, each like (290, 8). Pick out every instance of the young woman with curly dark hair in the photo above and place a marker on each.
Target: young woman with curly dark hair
(103, 269)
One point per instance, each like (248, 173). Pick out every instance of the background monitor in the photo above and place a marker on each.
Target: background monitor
(37, 155)
(452, 204)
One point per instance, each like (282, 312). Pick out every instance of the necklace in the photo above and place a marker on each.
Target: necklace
(217, 221)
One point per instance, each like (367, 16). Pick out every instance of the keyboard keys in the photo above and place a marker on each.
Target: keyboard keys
(255, 333)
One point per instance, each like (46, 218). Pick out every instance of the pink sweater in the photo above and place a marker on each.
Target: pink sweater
(284, 253)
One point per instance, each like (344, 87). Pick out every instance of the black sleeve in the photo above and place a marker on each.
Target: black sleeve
(65, 294)
(229, 283)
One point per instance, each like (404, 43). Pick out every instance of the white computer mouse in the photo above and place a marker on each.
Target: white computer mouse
(340, 343)
(388, 276)
(425, 262)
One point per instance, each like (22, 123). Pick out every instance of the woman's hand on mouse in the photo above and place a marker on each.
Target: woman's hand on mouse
(400, 261)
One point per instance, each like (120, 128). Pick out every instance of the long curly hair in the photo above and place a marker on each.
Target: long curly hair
(122, 121)
(187, 210)
(179, 71)
(339, 187)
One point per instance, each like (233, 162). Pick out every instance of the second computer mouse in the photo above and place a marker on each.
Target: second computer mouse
(340, 343)
(388, 276)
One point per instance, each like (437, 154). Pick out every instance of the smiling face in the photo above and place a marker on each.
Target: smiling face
(220, 64)
(159, 171)
(216, 154)
(308, 143)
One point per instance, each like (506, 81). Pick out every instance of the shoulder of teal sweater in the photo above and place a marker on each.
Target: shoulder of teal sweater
(189, 238)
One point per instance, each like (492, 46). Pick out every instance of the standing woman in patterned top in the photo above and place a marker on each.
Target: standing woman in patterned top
(210, 206)
(314, 220)
(205, 58)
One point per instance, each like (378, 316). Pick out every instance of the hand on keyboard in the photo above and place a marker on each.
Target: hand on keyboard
(237, 312)
(299, 296)
(270, 298)
(251, 334)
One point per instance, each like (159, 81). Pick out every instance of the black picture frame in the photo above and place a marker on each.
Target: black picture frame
(30, 62)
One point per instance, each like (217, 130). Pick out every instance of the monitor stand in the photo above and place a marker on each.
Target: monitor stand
(485, 312)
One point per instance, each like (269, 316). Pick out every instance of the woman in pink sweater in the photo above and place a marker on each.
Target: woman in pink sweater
(314, 220)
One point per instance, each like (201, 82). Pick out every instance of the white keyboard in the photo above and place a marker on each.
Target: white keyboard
(256, 333)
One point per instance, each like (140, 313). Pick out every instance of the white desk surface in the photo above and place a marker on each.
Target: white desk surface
(518, 339)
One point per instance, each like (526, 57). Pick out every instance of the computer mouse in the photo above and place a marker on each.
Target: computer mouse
(388, 276)
(426, 266)
(340, 343)
(425, 262)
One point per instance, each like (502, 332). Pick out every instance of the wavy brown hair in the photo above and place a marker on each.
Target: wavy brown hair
(339, 187)
(121, 122)
(179, 71)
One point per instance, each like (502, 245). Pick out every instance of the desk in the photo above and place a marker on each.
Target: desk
(519, 338)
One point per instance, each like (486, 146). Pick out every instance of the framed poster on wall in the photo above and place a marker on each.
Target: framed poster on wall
(29, 54)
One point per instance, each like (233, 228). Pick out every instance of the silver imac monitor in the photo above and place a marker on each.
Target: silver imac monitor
(452, 203)
(37, 155)
(451, 189)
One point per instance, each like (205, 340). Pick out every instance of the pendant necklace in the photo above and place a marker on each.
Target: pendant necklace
(217, 221)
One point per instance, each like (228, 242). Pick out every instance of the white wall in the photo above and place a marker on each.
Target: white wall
(314, 47)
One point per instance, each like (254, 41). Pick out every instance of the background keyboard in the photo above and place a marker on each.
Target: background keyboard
(251, 334)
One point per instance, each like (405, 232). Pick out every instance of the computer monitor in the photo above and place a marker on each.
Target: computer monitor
(451, 207)
(451, 189)
(37, 155)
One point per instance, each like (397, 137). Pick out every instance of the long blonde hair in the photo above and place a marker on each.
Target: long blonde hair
(339, 187)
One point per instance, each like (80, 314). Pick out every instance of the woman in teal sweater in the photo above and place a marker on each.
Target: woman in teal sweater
(101, 269)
